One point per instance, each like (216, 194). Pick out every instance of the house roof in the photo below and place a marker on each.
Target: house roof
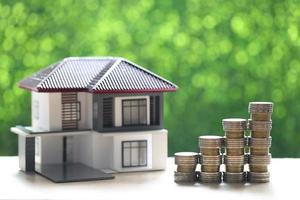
(96, 75)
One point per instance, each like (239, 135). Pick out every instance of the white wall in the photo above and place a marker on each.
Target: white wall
(84, 149)
(51, 149)
(50, 111)
(159, 149)
(103, 151)
(86, 101)
(118, 108)
(40, 122)
(94, 150)
(46, 116)
(131, 136)
(55, 107)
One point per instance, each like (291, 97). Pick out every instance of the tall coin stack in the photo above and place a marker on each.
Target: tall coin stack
(186, 165)
(210, 158)
(260, 126)
(234, 142)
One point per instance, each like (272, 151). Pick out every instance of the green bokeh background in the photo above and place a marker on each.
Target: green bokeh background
(222, 54)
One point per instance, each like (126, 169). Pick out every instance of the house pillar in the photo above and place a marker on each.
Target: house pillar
(26, 151)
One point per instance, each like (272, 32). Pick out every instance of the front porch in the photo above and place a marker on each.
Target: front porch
(47, 154)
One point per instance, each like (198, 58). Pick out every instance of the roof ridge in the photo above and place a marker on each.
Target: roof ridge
(90, 58)
(106, 73)
(98, 77)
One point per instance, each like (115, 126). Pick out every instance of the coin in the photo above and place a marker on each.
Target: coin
(235, 146)
(260, 111)
(210, 144)
(186, 158)
(235, 160)
(183, 177)
(210, 163)
(236, 125)
(262, 177)
(260, 129)
(240, 177)
(260, 142)
(235, 164)
(186, 161)
(210, 177)
(260, 146)
(259, 163)
(211, 160)
(260, 160)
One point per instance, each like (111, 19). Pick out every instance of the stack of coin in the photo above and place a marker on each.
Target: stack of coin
(210, 158)
(235, 142)
(260, 126)
(186, 165)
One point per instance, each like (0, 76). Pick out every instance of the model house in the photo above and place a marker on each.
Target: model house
(91, 117)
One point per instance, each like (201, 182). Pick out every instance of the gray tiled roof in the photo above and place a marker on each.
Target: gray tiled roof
(97, 75)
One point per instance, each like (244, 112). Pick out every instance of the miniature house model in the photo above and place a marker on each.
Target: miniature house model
(92, 116)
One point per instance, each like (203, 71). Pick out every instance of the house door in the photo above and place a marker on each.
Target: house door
(70, 111)
(68, 149)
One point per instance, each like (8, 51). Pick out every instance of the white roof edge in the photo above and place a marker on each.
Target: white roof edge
(19, 131)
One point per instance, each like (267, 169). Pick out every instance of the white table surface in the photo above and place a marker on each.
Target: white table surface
(148, 185)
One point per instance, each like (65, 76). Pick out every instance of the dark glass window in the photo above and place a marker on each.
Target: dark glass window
(134, 112)
(134, 153)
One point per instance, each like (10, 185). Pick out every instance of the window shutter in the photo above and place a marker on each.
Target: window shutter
(154, 110)
(71, 111)
(108, 112)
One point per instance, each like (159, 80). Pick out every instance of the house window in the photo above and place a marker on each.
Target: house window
(107, 112)
(134, 112)
(134, 153)
(71, 111)
(36, 108)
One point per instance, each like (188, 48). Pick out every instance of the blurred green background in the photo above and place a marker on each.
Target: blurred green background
(222, 54)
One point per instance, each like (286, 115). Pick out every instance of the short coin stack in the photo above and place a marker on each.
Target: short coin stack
(210, 159)
(186, 165)
(260, 126)
(234, 143)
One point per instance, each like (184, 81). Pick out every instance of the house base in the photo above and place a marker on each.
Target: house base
(71, 172)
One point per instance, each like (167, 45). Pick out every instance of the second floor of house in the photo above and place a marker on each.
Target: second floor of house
(71, 111)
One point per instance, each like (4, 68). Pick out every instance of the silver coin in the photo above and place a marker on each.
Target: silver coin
(260, 159)
(210, 177)
(229, 177)
(258, 177)
(260, 142)
(260, 107)
(211, 160)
